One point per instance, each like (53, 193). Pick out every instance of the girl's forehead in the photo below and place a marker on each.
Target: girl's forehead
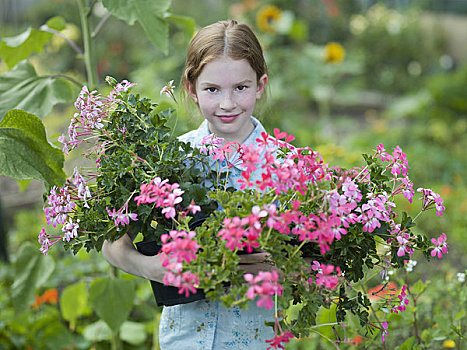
(227, 69)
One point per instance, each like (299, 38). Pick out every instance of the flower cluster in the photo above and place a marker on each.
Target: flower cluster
(264, 286)
(163, 194)
(178, 247)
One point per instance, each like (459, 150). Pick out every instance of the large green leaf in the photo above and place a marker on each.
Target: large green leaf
(74, 301)
(112, 300)
(97, 331)
(133, 333)
(149, 13)
(20, 47)
(25, 152)
(32, 269)
(22, 88)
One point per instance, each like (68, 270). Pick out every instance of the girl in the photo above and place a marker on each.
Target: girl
(225, 75)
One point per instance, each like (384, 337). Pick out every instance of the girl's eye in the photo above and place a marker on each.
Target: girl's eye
(241, 87)
(211, 89)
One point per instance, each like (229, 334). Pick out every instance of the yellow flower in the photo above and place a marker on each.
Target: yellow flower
(449, 344)
(334, 53)
(266, 17)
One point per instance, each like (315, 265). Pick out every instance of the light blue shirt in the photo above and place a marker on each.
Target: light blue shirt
(205, 324)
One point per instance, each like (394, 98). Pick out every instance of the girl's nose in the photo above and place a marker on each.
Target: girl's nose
(227, 101)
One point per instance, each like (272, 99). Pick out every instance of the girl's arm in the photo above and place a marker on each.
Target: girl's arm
(122, 254)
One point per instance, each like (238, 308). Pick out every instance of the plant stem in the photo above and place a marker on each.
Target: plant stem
(88, 54)
(64, 37)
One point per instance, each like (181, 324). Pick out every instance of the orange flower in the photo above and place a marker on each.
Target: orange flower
(50, 296)
(383, 291)
(334, 53)
(267, 16)
(356, 340)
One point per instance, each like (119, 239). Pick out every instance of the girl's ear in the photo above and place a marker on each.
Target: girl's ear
(192, 92)
(261, 85)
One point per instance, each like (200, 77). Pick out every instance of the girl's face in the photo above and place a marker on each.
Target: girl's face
(226, 92)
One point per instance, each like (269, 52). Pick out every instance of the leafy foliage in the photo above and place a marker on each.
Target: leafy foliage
(25, 152)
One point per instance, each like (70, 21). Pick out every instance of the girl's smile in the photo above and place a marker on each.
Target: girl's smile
(226, 92)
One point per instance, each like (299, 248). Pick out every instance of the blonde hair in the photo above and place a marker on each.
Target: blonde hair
(223, 38)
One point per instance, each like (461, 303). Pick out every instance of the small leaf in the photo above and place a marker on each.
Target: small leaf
(112, 300)
(32, 270)
(408, 344)
(20, 47)
(187, 24)
(133, 332)
(25, 152)
(73, 301)
(57, 23)
(22, 88)
(97, 331)
(419, 287)
(460, 315)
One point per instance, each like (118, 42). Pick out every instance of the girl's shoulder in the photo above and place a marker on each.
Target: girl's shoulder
(195, 136)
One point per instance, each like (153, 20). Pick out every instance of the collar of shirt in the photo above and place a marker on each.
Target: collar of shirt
(203, 131)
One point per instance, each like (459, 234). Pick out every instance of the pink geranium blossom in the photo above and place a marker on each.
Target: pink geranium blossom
(431, 199)
(121, 216)
(441, 246)
(264, 285)
(400, 305)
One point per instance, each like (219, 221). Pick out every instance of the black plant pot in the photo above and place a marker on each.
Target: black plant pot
(166, 295)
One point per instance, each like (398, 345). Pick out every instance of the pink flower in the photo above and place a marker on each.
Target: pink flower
(193, 208)
(209, 143)
(70, 229)
(404, 245)
(233, 232)
(264, 285)
(276, 342)
(180, 245)
(168, 90)
(47, 241)
(441, 246)
(120, 217)
(324, 277)
(403, 301)
(384, 333)
(376, 209)
(431, 199)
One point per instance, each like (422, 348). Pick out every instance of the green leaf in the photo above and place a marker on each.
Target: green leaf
(112, 300)
(57, 23)
(460, 315)
(187, 24)
(419, 287)
(22, 88)
(25, 152)
(97, 331)
(32, 270)
(408, 344)
(133, 332)
(20, 47)
(23, 184)
(73, 301)
(149, 13)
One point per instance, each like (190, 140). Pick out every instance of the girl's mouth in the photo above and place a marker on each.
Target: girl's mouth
(228, 118)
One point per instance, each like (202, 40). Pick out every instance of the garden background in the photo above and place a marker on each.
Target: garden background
(395, 74)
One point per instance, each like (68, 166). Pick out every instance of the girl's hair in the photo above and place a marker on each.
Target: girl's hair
(223, 38)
